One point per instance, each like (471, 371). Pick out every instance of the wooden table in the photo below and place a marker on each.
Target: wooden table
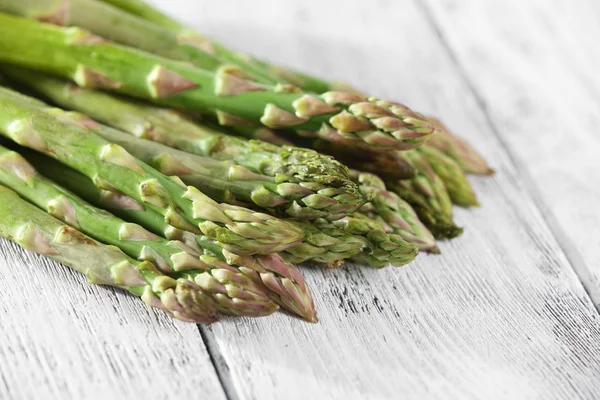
(509, 310)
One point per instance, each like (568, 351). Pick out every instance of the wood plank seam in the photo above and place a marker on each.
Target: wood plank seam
(219, 363)
(575, 259)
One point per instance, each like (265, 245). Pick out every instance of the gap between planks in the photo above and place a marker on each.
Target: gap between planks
(219, 363)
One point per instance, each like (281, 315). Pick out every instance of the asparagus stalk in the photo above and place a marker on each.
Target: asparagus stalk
(305, 81)
(393, 213)
(280, 280)
(458, 149)
(112, 168)
(92, 62)
(120, 26)
(460, 190)
(145, 11)
(428, 196)
(230, 291)
(296, 182)
(37, 231)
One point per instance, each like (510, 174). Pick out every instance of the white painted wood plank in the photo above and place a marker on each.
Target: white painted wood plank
(535, 66)
(500, 314)
(62, 338)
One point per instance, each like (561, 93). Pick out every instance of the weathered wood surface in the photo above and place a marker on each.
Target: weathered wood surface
(533, 65)
(501, 314)
(64, 339)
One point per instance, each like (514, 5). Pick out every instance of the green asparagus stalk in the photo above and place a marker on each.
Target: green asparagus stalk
(296, 182)
(280, 74)
(258, 68)
(112, 168)
(93, 62)
(279, 279)
(393, 213)
(460, 190)
(428, 196)
(230, 291)
(122, 27)
(35, 230)
(458, 149)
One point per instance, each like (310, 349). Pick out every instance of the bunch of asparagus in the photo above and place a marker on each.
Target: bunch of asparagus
(151, 158)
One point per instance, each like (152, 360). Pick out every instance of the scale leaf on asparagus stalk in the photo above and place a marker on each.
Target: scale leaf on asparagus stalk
(113, 168)
(291, 181)
(92, 62)
(230, 291)
(280, 280)
(35, 230)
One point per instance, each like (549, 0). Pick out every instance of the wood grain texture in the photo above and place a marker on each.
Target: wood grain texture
(533, 65)
(501, 314)
(65, 339)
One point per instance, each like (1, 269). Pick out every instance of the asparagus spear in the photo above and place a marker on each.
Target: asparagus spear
(458, 149)
(145, 11)
(231, 292)
(92, 62)
(299, 183)
(382, 163)
(276, 73)
(393, 213)
(37, 231)
(280, 280)
(112, 168)
(452, 175)
(120, 26)
(428, 196)
(382, 249)
(324, 244)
